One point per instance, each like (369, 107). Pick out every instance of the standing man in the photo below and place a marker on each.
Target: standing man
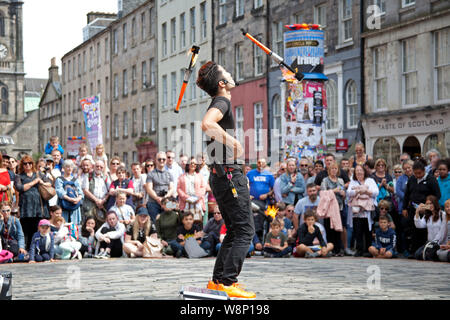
(261, 189)
(173, 168)
(159, 186)
(96, 194)
(228, 183)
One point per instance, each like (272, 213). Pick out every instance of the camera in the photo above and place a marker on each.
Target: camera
(161, 193)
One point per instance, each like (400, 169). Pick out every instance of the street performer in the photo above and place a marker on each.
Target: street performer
(228, 183)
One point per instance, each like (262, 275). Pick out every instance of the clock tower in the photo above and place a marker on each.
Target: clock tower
(11, 72)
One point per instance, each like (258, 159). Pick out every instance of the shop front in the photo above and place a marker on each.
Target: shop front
(414, 131)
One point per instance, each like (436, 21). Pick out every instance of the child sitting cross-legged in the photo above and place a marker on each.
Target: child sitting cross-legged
(276, 245)
(42, 244)
(385, 239)
(306, 234)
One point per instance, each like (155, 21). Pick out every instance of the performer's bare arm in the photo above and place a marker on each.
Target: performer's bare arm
(211, 128)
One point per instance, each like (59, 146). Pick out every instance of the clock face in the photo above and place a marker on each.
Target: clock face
(3, 51)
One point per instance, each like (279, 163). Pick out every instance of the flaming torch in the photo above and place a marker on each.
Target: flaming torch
(271, 211)
(187, 74)
(275, 57)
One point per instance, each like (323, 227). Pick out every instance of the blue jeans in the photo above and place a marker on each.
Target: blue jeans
(153, 209)
(278, 254)
(250, 250)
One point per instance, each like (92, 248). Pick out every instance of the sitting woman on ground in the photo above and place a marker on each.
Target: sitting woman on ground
(11, 233)
(87, 237)
(429, 216)
(137, 233)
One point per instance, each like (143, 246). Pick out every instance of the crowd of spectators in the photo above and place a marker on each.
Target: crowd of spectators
(90, 207)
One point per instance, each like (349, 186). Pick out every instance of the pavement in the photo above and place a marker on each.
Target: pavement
(343, 278)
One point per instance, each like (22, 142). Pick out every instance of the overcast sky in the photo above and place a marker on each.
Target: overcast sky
(51, 28)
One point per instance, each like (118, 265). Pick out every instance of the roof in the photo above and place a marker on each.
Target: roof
(35, 85)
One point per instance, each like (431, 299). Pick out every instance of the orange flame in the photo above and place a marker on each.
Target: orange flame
(288, 75)
(271, 211)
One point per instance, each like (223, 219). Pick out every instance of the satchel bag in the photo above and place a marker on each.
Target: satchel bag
(152, 248)
(193, 249)
(46, 192)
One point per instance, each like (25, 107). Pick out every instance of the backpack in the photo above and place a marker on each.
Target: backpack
(430, 251)
(74, 231)
(71, 192)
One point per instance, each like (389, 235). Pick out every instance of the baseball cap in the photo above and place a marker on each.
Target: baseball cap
(142, 211)
(48, 157)
(44, 222)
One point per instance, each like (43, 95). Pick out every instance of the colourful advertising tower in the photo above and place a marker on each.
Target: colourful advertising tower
(304, 118)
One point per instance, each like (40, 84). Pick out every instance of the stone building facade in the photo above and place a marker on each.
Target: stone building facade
(18, 132)
(50, 107)
(119, 65)
(407, 80)
(182, 24)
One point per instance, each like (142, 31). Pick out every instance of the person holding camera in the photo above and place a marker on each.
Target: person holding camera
(159, 186)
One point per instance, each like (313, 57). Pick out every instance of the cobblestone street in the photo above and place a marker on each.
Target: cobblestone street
(278, 279)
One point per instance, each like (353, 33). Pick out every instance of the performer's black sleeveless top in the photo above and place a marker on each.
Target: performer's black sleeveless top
(217, 152)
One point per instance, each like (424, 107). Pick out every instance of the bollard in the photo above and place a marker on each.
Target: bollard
(5, 285)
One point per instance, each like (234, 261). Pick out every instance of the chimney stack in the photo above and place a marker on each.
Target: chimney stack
(53, 75)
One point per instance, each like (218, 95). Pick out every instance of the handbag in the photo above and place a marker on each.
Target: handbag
(46, 192)
(152, 248)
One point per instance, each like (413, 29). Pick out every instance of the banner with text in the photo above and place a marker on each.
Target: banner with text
(93, 120)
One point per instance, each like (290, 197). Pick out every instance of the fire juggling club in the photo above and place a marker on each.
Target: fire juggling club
(275, 57)
(187, 74)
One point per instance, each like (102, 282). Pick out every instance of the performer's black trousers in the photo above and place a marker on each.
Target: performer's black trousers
(238, 218)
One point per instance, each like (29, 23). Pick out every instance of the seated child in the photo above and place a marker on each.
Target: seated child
(124, 211)
(306, 234)
(42, 244)
(276, 245)
(66, 242)
(185, 230)
(87, 237)
(385, 240)
(53, 144)
(287, 227)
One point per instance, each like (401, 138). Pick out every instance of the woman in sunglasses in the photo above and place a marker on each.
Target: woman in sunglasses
(113, 166)
(149, 166)
(32, 207)
(11, 231)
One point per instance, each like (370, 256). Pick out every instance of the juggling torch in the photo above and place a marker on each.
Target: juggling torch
(187, 74)
(275, 57)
